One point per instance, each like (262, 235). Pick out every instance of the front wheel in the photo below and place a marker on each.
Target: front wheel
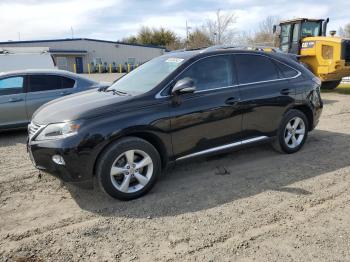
(128, 168)
(292, 132)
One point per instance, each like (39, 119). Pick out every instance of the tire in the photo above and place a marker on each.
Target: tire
(294, 124)
(122, 171)
(329, 85)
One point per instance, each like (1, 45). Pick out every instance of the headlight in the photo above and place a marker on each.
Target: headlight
(58, 131)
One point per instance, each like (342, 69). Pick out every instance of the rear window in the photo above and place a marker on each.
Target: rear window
(255, 68)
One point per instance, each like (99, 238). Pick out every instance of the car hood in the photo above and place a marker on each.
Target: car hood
(82, 105)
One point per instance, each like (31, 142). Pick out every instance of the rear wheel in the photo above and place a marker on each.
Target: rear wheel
(128, 168)
(292, 132)
(329, 85)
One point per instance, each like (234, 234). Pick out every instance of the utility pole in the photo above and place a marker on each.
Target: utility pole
(187, 33)
(19, 36)
(71, 28)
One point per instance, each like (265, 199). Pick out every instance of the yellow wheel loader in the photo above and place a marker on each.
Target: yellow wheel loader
(328, 57)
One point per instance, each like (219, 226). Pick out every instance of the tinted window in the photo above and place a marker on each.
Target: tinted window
(255, 68)
(287, 71)
(209, 73)
(11, 85)
(67, 82)
(49, 82)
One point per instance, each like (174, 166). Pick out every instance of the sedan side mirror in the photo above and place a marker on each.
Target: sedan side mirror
(183, 86)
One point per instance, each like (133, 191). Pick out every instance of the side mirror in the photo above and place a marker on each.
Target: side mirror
(183, 86)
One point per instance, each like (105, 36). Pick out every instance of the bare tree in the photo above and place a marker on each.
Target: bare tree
(220, 30)
(264, 35)
(344, 31)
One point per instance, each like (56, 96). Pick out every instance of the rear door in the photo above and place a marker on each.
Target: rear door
(12, 102)
(265, 94)
(43, 88)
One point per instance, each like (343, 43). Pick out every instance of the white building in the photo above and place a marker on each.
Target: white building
(83, 51)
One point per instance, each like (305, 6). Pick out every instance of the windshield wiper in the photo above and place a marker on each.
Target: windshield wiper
(117, 92)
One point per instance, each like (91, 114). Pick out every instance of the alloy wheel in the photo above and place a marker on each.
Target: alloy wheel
(294, 132)
(131, 171)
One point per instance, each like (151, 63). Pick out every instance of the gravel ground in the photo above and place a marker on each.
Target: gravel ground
(266, 207)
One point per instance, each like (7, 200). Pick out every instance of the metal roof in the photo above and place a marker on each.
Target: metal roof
(77, 39)
(301, 19)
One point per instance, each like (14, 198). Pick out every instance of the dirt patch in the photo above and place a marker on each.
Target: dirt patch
(254, 204)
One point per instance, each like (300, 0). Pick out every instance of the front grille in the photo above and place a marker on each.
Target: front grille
(345, 54)
(33, 129)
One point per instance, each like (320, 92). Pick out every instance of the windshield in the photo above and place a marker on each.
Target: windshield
(310, 29)
(147, 76)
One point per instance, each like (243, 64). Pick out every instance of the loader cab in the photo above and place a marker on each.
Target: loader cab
(292, 32)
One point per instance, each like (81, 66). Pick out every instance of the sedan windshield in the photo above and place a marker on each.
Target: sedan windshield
(147, 76)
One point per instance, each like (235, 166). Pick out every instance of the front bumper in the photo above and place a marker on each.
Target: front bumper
(78, 166)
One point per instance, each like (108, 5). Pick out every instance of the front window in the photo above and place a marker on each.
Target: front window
(11, 85)
(210, 73)
(147, 76)
(310, 29)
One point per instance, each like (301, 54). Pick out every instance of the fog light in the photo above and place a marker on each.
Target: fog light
(58, 160)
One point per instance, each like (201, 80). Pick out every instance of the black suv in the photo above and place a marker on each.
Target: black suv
(177, 106)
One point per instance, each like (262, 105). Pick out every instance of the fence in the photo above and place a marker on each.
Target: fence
(111, 68)
(346, 80)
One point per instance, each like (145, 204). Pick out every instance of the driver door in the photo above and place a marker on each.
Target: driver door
(209, 118)
(12, 102)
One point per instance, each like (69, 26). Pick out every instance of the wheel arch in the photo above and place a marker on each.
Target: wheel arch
(143, 134)
(308, 113)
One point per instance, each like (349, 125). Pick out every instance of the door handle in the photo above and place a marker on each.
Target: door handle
(14, 100)
(232, 101)
(285, 91)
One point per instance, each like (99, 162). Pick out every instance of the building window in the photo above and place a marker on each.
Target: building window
(62, 63)
(131, 60)
(98, 61)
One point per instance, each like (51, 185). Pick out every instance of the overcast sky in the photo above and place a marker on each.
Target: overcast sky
(116, 19)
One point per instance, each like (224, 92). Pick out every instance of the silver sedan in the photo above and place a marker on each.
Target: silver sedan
(23, 92)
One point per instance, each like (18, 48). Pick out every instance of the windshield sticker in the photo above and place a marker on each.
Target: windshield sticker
(174, 60)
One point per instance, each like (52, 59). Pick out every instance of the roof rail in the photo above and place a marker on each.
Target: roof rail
(244, 47)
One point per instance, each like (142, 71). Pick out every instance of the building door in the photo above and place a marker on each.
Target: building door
(79, 64)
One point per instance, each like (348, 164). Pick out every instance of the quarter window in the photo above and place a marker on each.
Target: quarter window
(210, 73)
(287, 71)
(255, 68)
(67, 82)
(11, 85)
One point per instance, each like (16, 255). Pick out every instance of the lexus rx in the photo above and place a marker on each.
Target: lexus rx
(177, 106)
